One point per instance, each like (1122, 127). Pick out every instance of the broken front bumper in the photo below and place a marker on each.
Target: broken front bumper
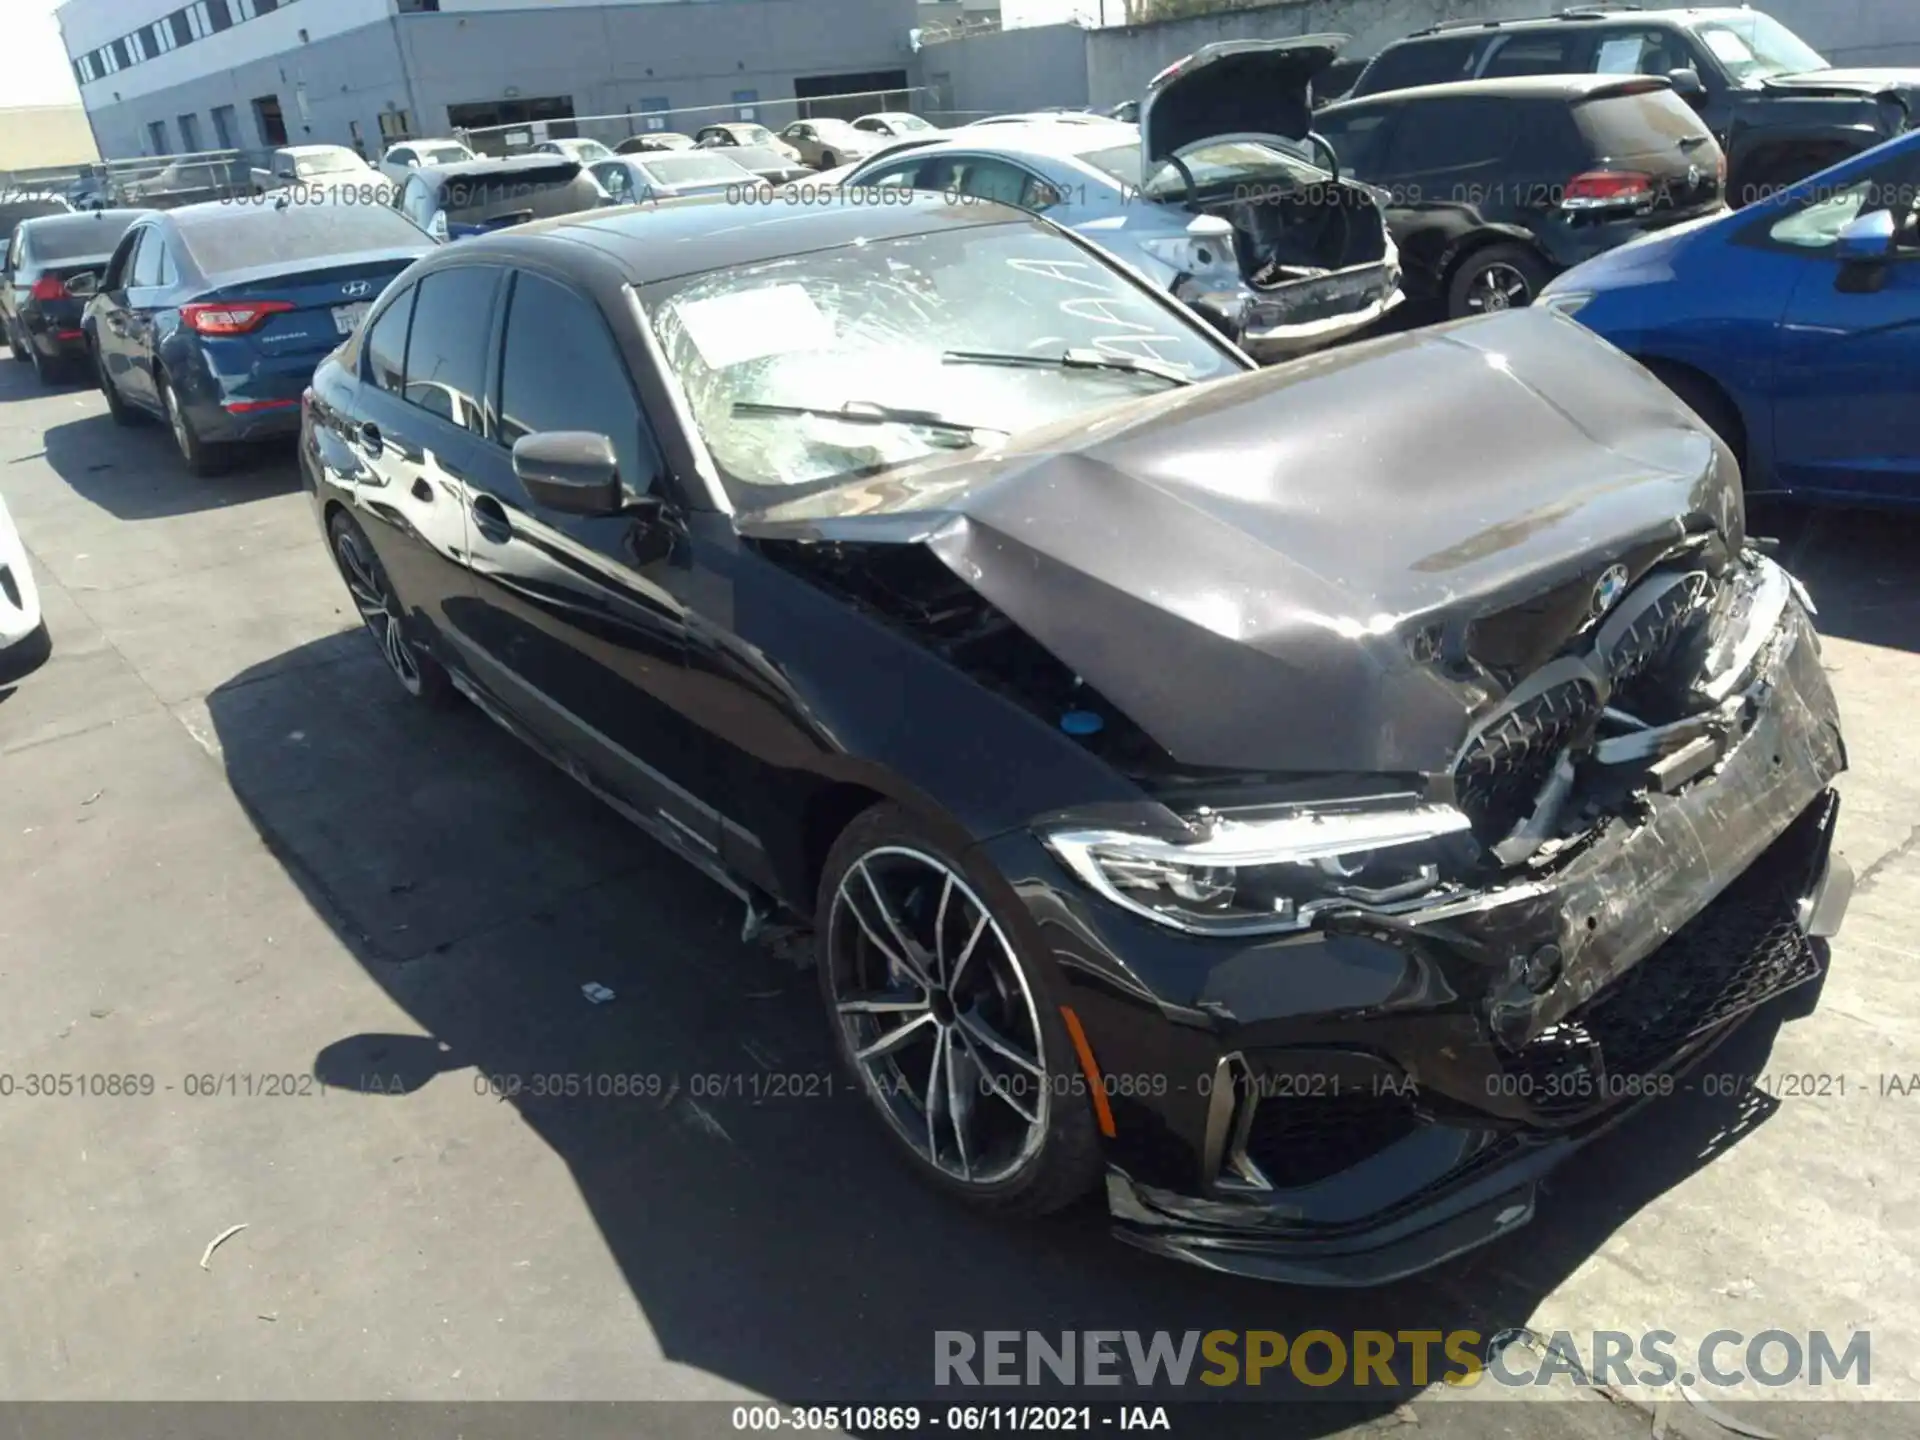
(1386, 1097)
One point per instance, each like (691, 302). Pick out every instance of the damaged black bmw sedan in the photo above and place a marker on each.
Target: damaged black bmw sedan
(1311, 802)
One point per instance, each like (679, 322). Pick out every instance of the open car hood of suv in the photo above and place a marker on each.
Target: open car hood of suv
(1236, 87)
(1243, 568)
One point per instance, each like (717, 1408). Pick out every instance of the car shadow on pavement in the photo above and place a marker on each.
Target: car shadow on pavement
(92, 456)
(749, 1201)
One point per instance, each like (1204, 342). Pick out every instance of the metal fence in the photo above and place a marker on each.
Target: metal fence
(610, 130)
(148, 182)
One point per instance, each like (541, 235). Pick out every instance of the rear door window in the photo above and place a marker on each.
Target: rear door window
(1641, 52)
(1356, 137)
(386, 344)
(987, 179)
(447, 347)
(151, 262)
(1440, 136)
(1545, 52)
(560, 370)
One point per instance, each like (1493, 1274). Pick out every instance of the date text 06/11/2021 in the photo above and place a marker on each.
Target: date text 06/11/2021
(960, 1419)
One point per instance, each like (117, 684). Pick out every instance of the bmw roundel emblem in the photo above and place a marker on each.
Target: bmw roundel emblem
(1608, 590)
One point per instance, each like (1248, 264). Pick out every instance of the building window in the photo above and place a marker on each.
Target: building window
(84, 68)
(136, 52)
(242, 10)
(190, 133)
(218, 14)
(197, 23)
(225, 127)
(117, 52)
(653, 112)
(157, 136)
(159, 37)
(182, 29)
(272, 124)
(743, 103)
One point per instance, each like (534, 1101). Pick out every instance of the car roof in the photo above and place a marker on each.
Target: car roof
(1516, 87)
(314, 150)
(426, 140)
(500, 165)
(66, 221)
(667, 239)
(1582, 15)
(1040, 138)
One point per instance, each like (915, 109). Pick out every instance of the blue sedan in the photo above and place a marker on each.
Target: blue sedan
(212, 317)
(1792, 327)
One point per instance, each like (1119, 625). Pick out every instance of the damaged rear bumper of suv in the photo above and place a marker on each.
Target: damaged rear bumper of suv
(1367, 1100)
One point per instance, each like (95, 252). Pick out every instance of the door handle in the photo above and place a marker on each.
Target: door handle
(370, 437)
(490, 517)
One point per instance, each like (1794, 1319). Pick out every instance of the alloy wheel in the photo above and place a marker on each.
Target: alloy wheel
(177, 422)
(1498, 287)
(374, 599)
(937, 1015)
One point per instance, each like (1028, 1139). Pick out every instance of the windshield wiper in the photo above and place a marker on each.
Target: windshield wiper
(1071, 359)
(865, 412)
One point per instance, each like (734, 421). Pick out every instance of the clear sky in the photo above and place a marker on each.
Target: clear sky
(38, 73)
(37, 69)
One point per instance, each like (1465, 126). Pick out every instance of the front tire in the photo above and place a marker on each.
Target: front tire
(200, 457)
(948, 1026)
(381, 611)
(828, 160)
(1500, 277)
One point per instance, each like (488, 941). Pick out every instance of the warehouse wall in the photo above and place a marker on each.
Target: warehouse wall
(1023, 69)
(606, 58)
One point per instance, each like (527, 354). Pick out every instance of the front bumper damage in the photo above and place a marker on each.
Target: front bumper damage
(1357, 1146)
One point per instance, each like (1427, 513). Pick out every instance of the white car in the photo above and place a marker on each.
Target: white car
(895, 124)
(325, 168)
(412, 154)
(1220, 194)
(24, 645)
(580, 151)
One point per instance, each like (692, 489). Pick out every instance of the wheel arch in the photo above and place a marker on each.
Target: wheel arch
(1690, 381)
(1485, 238)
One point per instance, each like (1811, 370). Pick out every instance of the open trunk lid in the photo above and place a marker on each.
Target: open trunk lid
(1235, 87)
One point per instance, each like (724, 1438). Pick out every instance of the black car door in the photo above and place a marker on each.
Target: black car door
(579, 622)
(418, 435)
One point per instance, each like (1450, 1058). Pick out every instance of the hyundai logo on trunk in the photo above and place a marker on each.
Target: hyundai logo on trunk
(355, 289)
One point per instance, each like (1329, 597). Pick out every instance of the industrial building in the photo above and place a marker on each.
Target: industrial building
(159, 77)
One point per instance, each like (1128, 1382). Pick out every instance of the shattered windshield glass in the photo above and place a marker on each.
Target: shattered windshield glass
(870, 329)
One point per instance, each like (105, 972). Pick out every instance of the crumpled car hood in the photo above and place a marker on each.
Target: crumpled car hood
(1240, 567)
(1867, 81)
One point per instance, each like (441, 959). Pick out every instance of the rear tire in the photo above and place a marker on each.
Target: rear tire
(957, 1033)
(201, 458)
(122, 413)
(828, 160)
(48, 372)
(1496, 278)
(20, 352)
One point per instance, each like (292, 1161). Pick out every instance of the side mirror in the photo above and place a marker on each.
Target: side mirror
(1868, 240)
(1687, 83)
(84, 284)
(572, 471)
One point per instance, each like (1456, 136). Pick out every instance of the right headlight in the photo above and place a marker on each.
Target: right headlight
(1274, 874)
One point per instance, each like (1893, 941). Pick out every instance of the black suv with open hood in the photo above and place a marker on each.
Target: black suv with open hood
(1773, 102)
(1252, 789)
